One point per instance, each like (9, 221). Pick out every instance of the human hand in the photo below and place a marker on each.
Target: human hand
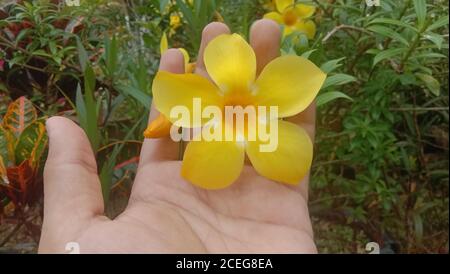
(166, 214)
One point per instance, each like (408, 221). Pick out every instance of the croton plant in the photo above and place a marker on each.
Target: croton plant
(23, 143)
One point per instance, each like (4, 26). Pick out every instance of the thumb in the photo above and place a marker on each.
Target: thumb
(72, 190)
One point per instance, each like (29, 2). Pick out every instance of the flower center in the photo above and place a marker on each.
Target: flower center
(290, 17)
(242, 99)
(242, 113)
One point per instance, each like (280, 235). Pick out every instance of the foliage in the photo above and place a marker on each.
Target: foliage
(23, 142)
(382, 160)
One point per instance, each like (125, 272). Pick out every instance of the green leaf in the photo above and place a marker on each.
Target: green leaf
(31, 144)
(430, 82)
(307, 53)
(162, 5)
(331, 65)
(187, 12)
(385, 31)
(19, 115)
(338, 79)
(143, 98)
(7, 142)
(435, 38)
(385, 54)
(91, 108)
(107, 170)
(420, 6)
(324, 98)
(89, 80)
(429, 55)
(81, 108)
(22, 35)
(443, 21)
(82, 54)
(52, 47)
(111, 56)
(41, 52)
(394, 22)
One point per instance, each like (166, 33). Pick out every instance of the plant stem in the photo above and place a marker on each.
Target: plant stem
(344, 27)
(414, 45)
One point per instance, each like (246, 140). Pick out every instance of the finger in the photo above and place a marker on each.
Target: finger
(72, 190)
(306, 119)
(265, 37)
(210, 32)
(163, 149)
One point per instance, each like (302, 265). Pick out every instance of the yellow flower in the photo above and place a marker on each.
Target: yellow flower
(160, 127)
(175, 21)
(289, 82)
(294, 17)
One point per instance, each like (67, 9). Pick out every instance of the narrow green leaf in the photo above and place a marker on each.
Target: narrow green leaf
(91, 107)
(385, 31)
(163, 5)
(187, 12)
(107, 169)
(420, 6)
(430, 82)
(429, 55)
(443, 21)
(22, 34)
(82, 54)
(331, 65)
(385, 54)
(394, 22)
(81, 108)
(327, 97)
(137, 94)
(306, 54)
(338, 79)
(437, 39)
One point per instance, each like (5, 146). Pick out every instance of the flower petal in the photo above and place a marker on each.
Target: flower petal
(288, 30)
(158, 128)
(213, 164)
(174, 90)
(283, 4)
(290, 162)
(304, 11)
(190, 68)
(307, 27)
(163, 44)
(186, 58)
(231, 63)
(289, 82)
(275, 16)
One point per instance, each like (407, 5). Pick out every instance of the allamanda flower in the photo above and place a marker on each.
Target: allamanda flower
(294, 17)
(289, 82)
(175, 22)
(160, 127)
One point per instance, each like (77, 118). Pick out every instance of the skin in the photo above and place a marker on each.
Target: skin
(165, 213)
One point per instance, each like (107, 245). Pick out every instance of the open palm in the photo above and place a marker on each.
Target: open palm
(165, 213)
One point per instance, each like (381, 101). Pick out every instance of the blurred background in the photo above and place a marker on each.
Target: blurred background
(380, 172)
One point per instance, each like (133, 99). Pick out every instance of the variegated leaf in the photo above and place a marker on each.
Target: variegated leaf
(31, 144)
(19, 115)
